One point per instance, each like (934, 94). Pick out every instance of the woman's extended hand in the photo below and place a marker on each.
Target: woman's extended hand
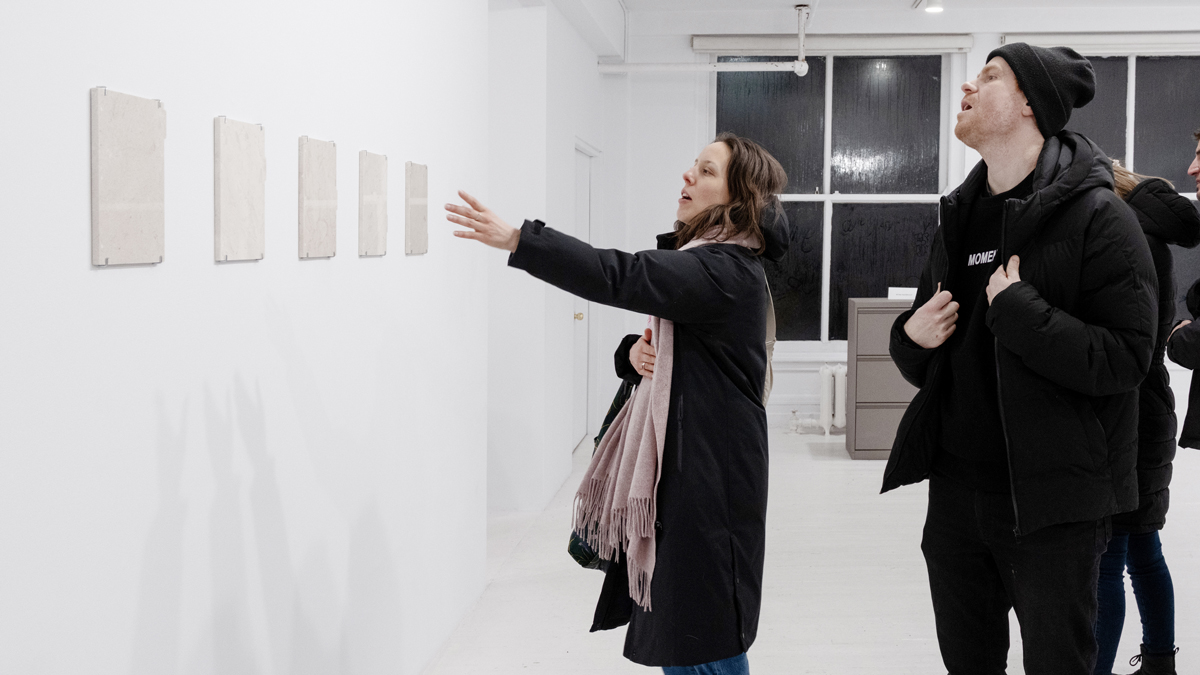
(641, 355)
(485, 225)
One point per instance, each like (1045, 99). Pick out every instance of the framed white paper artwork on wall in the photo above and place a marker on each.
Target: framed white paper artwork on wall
(128, 216)
(372, 204)
(239, 190)
(318, 198)
(416, 209)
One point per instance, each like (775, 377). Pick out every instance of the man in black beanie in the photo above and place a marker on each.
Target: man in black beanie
(1033, 325)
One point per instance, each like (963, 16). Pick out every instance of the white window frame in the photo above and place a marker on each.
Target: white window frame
(1128, 45)
(951, 170)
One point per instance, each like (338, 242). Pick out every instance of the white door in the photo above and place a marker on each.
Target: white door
(583, 228)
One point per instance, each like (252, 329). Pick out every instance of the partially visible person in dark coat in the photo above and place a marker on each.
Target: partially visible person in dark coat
(1166, 218)
(1194, 169)
(1183, 347)
(1032, 328)
(711, 499)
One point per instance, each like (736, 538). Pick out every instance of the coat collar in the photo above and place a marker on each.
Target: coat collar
(776, 229)
(1068, 165)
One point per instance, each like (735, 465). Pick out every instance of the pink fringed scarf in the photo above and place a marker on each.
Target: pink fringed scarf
(616, 505)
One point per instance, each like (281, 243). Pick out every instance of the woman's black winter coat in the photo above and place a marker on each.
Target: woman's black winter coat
(712, 492)
(1074, 339)
(1183, 348)
(1166, 218)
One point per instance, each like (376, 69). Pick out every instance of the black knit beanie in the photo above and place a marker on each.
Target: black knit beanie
(1055, 80)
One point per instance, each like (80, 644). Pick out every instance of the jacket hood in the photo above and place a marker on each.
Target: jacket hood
(1164, 213)
(775, 227)
(1068, 165)
(777, 231)
(1193, 300)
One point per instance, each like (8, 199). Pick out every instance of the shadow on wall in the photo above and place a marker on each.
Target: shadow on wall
(274, 552)
(228, 646)
(307, 626)
(372, 628)
(156, 631)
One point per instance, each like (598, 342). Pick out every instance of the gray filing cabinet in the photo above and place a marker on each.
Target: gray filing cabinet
(876, 394)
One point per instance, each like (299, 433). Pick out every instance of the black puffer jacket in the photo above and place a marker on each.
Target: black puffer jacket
(1074, 339)
(712, 491)
(1166, 218)
(1184, 349)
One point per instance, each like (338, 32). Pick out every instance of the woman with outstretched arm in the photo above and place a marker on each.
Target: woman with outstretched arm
(676, 493)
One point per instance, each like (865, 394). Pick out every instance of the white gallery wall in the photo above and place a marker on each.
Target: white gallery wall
(259, 467)
(548, 99)
(672, 115)
(521, 467)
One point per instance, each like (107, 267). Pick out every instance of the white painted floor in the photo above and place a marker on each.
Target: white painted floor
(845, 589)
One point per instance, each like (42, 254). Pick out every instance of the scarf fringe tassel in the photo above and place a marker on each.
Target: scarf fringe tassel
(606, 529)
(639, 586)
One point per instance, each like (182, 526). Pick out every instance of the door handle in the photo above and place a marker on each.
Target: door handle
(579, 316)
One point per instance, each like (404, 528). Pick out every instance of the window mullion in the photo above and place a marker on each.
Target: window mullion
(1130, 107)
(827, 237)
(826, 267)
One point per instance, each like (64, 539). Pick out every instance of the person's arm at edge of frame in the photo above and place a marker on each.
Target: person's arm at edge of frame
(1183, 347)
(1092, 359)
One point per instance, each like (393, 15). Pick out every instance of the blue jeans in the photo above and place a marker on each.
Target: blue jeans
(734, 665)
(1152, 587)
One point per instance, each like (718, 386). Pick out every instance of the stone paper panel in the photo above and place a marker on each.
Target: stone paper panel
(416, 209)
(318, 198)
(372, 203)
(128, 133)
(240, 189)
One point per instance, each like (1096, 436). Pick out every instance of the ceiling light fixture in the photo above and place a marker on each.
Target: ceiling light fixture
(933, 6)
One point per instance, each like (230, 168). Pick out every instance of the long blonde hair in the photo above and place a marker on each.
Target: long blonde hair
(1124, 180)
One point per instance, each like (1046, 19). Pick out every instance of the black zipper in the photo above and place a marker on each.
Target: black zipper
(1012, 488)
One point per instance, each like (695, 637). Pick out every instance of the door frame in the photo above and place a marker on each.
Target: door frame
(591, 425)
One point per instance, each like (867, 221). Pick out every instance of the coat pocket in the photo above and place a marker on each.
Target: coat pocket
(1091, 443)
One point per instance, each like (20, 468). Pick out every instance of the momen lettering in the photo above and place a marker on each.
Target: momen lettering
(980, 258)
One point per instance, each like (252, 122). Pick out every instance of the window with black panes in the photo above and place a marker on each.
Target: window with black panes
(885, 141)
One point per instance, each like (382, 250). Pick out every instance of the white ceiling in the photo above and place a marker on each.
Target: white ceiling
(876, 5)
(678, 18)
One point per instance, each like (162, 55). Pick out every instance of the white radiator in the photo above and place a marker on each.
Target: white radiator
(833, 397)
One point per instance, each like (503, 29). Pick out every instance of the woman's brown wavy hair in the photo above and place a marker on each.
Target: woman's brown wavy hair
(754, 178)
